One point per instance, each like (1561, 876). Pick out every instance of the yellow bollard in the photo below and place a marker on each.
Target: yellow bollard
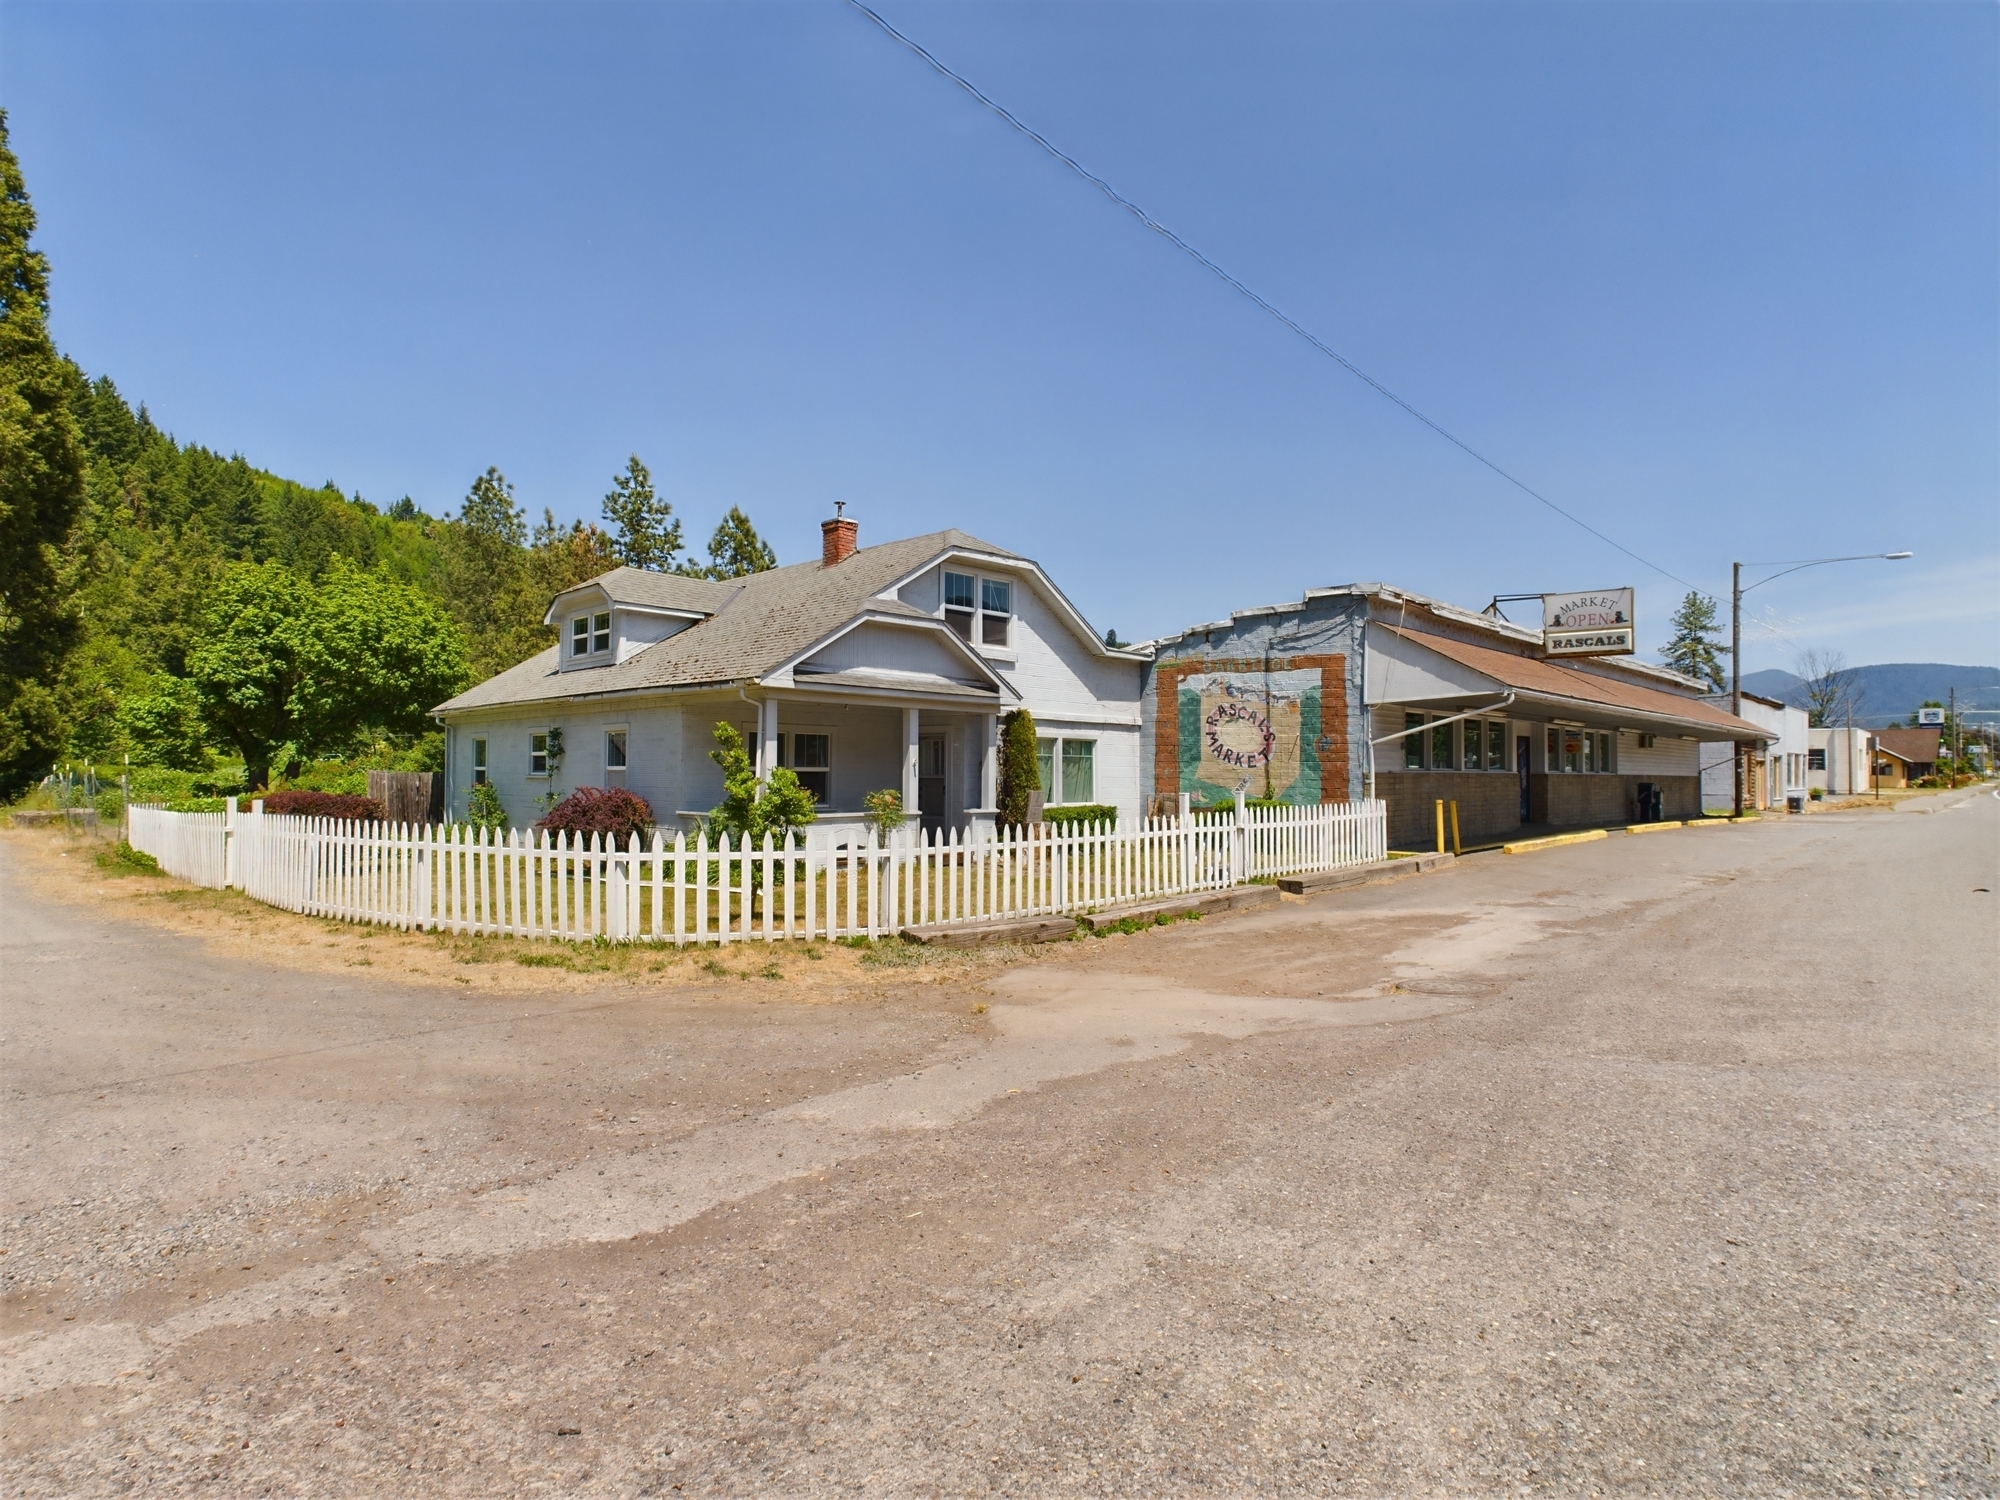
(1440, 825)
(1455, 850)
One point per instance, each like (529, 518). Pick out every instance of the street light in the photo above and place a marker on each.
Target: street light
(1736, 593)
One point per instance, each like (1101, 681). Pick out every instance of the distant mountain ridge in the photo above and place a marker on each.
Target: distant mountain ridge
(1888, 693)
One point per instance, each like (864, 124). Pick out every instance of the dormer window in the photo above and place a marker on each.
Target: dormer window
(979, 609)
(590, 634)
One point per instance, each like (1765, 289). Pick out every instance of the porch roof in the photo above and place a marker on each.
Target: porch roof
(1560, 690)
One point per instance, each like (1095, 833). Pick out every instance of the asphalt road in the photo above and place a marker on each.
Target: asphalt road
(1664, 1164)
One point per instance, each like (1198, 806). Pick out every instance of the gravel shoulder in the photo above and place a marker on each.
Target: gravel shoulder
(1649, 1165)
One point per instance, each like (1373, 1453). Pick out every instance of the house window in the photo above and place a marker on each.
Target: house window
(810, 757)
(1815, 760)
(538, 755)
(979, 609)
(590, 634)
(614, 757)
(1496, 746)
(1413, 743)
(1079, 778)
(479, 762)
(1647, 741)
(1475, 745)
(1076, 763)
(996, 610)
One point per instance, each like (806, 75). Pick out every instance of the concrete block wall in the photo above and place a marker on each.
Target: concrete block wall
(1489, 805)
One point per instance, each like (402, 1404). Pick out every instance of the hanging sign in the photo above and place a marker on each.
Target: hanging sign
(1597, 622)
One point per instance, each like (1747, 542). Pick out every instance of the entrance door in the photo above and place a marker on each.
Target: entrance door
(930, 781)
(1522, 745)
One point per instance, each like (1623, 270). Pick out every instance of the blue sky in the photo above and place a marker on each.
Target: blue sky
(1719, 278)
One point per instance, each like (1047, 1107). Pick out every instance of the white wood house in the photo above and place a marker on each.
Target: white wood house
(874, 667)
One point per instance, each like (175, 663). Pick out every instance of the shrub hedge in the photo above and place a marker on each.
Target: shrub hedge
(1092, 812)
(345, 809)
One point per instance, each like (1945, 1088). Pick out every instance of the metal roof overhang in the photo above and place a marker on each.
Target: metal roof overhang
(1410, 667)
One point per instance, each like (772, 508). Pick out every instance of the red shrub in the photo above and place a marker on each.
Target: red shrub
(612, 811)
(300, 804)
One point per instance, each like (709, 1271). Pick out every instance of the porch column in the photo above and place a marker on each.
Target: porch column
(767, 738)
(989, 761)
(910, 761)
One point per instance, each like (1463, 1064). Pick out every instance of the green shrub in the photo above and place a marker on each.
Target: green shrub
(1094, 813)
(1020, 776)
(885, 810)
(483, 808)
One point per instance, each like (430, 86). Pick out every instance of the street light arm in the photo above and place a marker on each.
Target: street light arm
(1820, 562)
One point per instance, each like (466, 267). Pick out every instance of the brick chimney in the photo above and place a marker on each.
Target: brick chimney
(836, 537)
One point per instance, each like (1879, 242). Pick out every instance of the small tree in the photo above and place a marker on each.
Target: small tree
(1692, 652)
(483, 808)
(776, 807)
(1827, 683)
(647, 534)
(1020, 776)
(885, 810)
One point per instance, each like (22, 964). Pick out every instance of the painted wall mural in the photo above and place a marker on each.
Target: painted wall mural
(1277, 729)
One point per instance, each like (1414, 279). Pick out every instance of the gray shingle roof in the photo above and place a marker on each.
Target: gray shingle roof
(766, 620)
(635, 586)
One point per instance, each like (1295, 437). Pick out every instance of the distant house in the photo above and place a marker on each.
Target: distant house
(1838, 760)
(1365, 690)
(1906, 755)
(1771, 773)
(870, 668)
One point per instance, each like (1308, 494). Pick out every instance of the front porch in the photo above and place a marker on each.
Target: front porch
(943, 760)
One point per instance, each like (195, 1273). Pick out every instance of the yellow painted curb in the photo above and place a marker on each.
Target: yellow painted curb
(1650, 827)
(1528, 846)
(1707, 823)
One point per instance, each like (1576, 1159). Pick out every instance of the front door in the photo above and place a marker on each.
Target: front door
(930, 781)
(1521, 747)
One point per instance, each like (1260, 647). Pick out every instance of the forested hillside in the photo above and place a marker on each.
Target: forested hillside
(164, 601)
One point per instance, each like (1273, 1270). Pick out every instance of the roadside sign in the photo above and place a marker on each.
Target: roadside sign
(1930, 718)
(1592, 622)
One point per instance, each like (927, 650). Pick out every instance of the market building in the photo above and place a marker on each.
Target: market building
(1367, 690)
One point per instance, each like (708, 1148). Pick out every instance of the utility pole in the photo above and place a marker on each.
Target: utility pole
(1952, 731)
(1736, 671)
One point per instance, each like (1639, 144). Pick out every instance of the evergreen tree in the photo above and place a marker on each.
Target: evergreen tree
(1020, 775)
(647, 534)
(480, 556)
(1692, 652)
(735, 551)
(41, 494)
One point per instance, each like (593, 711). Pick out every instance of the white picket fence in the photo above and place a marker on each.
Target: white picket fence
(191, 846)
(819, 883)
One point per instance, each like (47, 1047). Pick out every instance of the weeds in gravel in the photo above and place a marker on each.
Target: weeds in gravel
(1143, 924)
(123, 859)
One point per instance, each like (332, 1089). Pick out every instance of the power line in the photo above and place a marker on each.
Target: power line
(1230, 281)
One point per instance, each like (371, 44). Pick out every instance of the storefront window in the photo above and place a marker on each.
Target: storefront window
(1552, 759)
(1441, 756)
(1572, 743)
(1475, 744)
(1413, 744)
(1496, 746)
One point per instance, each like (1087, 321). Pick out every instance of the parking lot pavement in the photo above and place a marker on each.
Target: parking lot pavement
(1660, 1164)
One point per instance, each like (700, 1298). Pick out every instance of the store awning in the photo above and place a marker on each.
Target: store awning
(1409, 666)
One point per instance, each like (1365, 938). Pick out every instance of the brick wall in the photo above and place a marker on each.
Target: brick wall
(1489, 805)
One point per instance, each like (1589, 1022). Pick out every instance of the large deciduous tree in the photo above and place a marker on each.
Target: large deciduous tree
(1692, 652)
(41, 492)
(283, 663)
